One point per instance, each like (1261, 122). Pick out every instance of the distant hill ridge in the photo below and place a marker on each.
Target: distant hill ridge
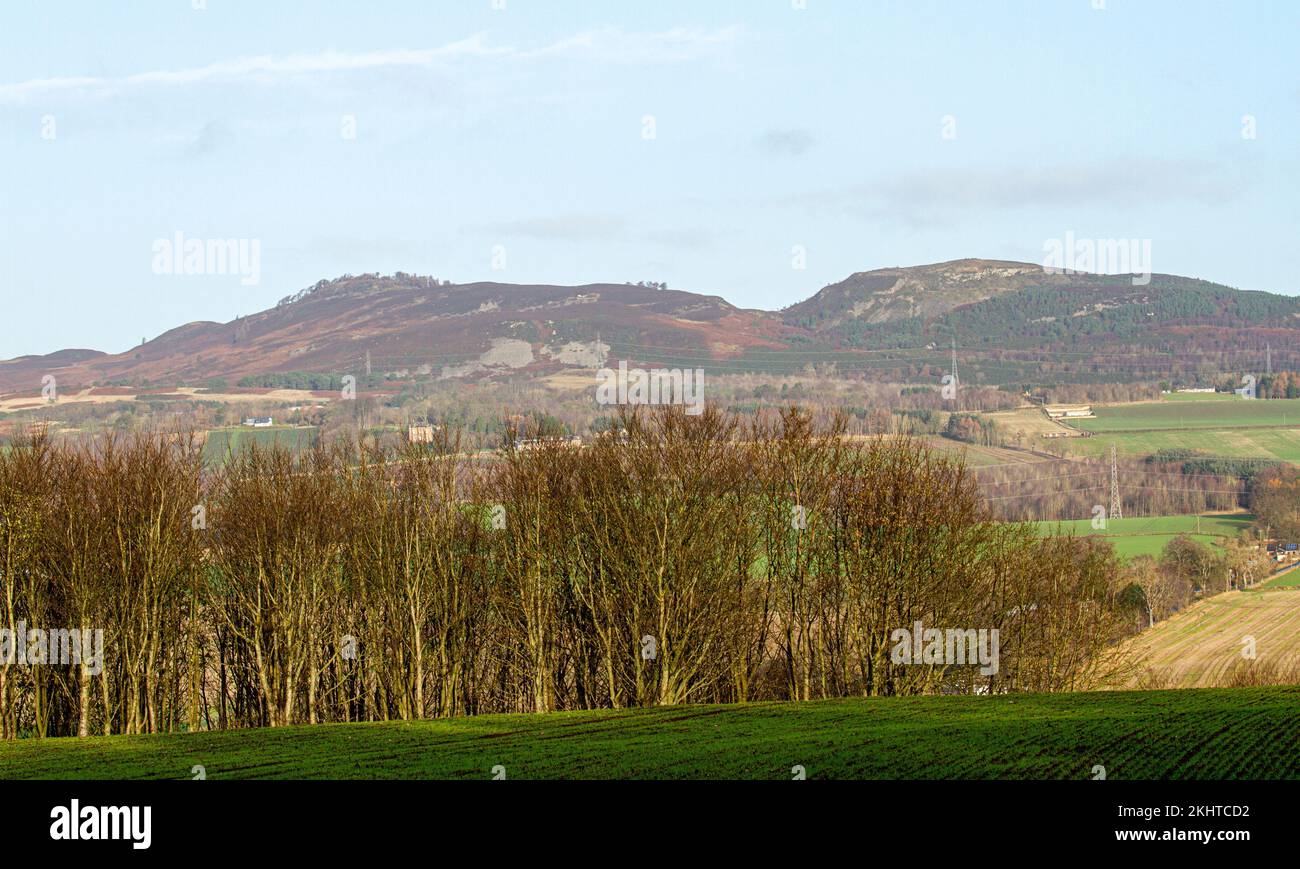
(422, 326)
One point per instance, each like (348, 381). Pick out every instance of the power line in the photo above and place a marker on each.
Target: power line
(1191, 491)
(1103, 487)
(1116, 505)
(1045, 494)
(1041, 479)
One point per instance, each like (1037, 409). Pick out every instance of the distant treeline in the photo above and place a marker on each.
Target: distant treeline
(296, 380)
(1283, 384)
(1195, 462)
(308, 380)
(687, 559)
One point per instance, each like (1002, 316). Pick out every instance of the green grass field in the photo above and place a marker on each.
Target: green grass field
(1216, 425)
(1290, 579)
(1200, 396)
(1154, 544)
(1210, 734)
(1211, 414)
(1278, 444)
(1148, 535)
(1222, 425)
(223, 440)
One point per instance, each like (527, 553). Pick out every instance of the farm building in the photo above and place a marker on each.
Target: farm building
(420, 432)
(537, 443)
(1069, 411)
(259, 422)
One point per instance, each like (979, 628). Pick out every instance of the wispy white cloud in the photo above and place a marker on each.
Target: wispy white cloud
(259, 69)
(612, 45)
(693, 238)
(787, 142)
(615, 45)
(948, 196)
(564, 227)
(584, 228)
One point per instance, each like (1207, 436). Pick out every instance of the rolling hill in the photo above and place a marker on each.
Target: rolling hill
(1013, 322)
(1241, 733)
(417, 325)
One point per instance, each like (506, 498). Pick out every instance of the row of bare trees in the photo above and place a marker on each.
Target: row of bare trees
(1073, 489)
(691, 559)
(98, 539)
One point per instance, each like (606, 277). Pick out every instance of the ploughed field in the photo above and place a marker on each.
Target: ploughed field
(1203, 644)
(1210, 734)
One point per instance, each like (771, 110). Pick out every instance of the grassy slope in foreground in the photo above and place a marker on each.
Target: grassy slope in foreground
(1211, 734)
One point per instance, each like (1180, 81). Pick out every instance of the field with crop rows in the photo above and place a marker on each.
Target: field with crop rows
(982, 457)
(1209, 734)
(1202, 644)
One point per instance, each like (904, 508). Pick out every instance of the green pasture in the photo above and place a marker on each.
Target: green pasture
(1236, 733)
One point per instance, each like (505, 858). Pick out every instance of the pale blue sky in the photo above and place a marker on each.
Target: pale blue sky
(522, 127)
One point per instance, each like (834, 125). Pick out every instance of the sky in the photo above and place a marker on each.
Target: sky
(751, 149)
